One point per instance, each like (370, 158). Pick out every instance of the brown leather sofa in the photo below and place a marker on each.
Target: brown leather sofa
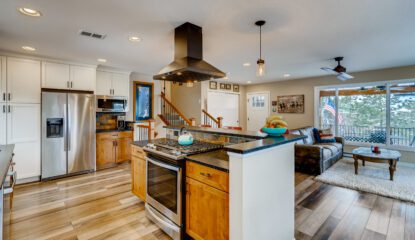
(314, 158)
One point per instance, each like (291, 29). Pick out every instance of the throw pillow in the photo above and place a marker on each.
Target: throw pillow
(323, 135)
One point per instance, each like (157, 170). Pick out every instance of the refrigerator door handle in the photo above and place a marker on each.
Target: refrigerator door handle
(69, 129)
(65, 131)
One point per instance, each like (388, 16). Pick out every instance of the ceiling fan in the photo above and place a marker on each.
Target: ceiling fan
(339, 70)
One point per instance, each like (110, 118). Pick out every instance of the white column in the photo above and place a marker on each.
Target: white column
(261, 196)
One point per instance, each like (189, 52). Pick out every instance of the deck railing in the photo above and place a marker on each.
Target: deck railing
(375, 134)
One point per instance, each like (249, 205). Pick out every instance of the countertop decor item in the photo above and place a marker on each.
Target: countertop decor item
(275, 132)
(185, 138)
(275, 126)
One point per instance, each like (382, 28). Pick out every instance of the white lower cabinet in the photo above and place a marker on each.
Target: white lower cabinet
(20, 123)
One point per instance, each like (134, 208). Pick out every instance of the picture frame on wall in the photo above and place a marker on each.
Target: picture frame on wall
(213, 85)
(236, 88)
(228, 86)
(290, 104)
(222, 86)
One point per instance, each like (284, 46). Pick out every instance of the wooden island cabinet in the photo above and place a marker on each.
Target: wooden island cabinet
(113, 148)
(207, 202)
(138, 172)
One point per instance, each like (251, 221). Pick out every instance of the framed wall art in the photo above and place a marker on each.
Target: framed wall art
(213, 85)
(290, 104)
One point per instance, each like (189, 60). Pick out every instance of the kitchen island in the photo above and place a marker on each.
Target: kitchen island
(248, 184)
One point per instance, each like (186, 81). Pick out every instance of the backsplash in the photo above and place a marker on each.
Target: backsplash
(209, 137)
(107, 120)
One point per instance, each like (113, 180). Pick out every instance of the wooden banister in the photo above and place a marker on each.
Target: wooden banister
(208, 118)
(177, 111)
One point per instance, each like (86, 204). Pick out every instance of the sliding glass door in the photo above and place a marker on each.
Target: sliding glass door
(370, 113)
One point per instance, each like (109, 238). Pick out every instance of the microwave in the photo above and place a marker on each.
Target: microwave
(111, 104)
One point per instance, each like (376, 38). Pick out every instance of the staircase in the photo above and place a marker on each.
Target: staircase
(210, 121)
(170, 115)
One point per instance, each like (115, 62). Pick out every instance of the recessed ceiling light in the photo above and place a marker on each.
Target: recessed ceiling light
(103, 60)
(30, 12)
(29, 48)
(249, 82)
(247, 64)
(226, 78)
(287, 75)
(134, 39)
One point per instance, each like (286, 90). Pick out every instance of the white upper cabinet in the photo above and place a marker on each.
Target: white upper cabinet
(104, 84)
(82, 78)
(66, 76)
(23, 80)
(55, 75)
(121, 84)
(3, 118)
(3, 79)
(113, 83)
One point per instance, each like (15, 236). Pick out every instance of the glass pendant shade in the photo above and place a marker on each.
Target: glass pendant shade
(260, 69)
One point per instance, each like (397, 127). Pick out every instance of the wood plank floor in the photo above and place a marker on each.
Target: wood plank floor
(101, 206)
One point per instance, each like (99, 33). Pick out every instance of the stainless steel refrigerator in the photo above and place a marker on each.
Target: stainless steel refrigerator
(68, 134)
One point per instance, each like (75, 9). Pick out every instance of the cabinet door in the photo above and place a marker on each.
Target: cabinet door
(55, 75)
(82, 78)
(23, 80)
(105, 152)
(2, 79)
(123, 149)
(3, 126)
(23, 130)
(121, 84)
(207, 211)
(103, 86)
(138, 168)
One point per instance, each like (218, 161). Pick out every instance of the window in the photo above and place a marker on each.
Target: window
(370, 113)
(143, 101)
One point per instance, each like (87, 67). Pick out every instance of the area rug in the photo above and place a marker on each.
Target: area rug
(373, 178)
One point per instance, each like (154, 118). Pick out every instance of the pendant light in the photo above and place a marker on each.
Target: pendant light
(260, 70)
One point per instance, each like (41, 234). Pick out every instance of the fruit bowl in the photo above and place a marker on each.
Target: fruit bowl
(276, 132)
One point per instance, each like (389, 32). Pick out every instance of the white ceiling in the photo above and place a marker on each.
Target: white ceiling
(299, 37)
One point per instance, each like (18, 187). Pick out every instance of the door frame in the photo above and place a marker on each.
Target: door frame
(247, 104)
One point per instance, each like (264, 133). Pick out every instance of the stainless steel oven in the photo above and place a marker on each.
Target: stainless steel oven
(165, 195)
(111, 104)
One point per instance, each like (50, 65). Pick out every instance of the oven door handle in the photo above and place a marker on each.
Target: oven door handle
(163, 165)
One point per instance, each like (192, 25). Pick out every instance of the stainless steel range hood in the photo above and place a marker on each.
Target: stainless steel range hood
(188, 64)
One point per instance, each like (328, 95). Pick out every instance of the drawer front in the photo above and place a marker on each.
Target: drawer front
(115, 135)
(137, 152)
(207, 175)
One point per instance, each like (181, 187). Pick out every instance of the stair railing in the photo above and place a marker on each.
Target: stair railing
(209, 120)
(170, 115)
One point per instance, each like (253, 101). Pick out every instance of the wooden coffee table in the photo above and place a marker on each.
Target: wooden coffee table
(385, 156)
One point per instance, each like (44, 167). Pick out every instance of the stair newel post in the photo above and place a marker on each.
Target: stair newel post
(220, 122)
(192, 122)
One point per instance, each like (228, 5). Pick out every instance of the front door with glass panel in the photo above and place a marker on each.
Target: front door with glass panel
(257, 110)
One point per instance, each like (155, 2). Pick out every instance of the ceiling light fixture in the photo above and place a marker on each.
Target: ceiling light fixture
(30, 12)
(29, 48)
(103, 60)
(287, 75)
(134, 39)
(247, 64)
(260, 71)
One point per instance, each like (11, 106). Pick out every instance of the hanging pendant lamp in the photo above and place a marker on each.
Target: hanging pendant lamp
(260, 70)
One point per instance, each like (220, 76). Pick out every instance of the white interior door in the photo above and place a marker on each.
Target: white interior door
(226, 105)
(257, 110)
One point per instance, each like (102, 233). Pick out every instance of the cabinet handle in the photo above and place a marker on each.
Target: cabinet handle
(4, 96)
(206, 174)
(67, 84)
(71, 84)
(10, 96)
(9, 109)
(4, 108)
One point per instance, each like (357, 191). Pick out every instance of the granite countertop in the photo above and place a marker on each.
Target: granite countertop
(252, 146)
(141, 143)
(112, 130)
(218, 159)
(6, 154)
(221, 131)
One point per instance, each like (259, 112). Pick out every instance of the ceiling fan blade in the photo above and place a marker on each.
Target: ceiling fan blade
(344, 76)
(329, 70)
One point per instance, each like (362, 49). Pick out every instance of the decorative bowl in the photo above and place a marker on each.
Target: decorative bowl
(275, 132)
